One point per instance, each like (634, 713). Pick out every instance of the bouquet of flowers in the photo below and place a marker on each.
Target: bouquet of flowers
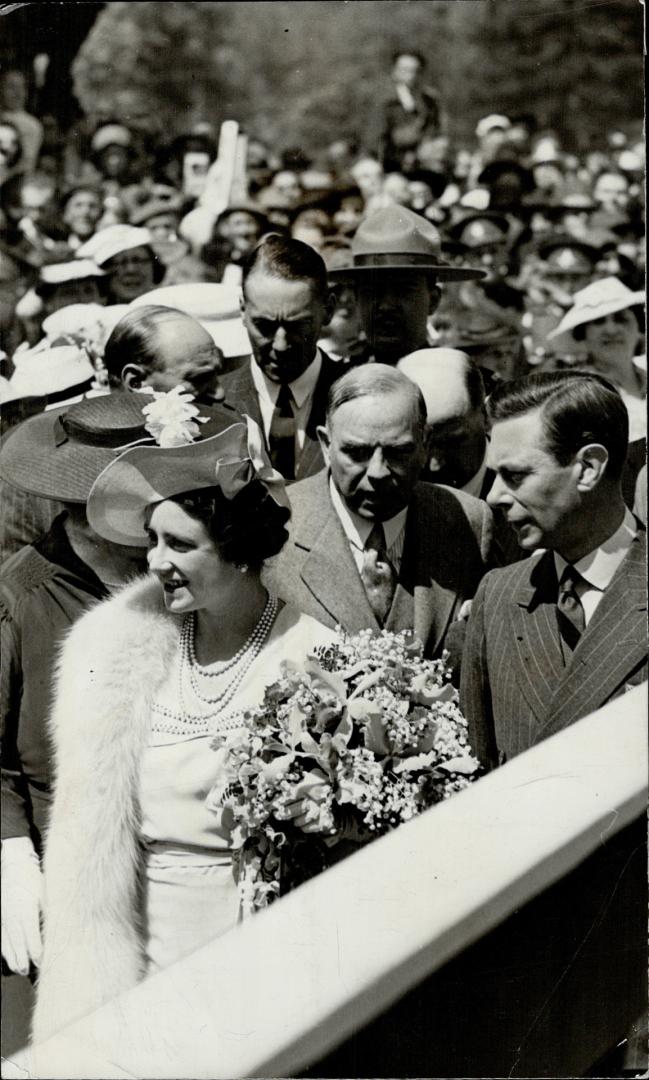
(365, 734)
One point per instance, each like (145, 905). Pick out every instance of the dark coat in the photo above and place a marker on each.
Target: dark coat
(447, 549)
(240, 394)
(515, 688)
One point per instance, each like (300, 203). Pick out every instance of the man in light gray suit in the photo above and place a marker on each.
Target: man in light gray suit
(369, 545)
(554, 637)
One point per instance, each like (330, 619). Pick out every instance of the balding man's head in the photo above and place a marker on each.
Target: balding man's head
(455, 411)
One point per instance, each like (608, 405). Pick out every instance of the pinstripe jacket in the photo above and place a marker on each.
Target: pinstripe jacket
(516, 689)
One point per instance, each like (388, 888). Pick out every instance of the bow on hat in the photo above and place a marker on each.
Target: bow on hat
(234, 472)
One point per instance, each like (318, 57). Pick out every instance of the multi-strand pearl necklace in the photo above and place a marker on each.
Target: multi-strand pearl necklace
(214, 707)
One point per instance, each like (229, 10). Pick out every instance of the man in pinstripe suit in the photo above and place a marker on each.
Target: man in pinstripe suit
(552, 638)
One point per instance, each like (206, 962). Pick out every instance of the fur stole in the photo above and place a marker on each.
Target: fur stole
(112, 663)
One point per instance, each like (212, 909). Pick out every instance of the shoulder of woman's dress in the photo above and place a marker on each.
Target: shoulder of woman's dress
(309, 629)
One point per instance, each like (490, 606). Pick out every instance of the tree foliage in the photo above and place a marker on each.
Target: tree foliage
(304, 72)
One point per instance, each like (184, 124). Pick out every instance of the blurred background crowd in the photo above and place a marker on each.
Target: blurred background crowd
(112, 168)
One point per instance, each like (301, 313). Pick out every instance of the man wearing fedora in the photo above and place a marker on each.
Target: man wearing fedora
(396, 267)
(44, 588)
(284, 385)
(369, 545)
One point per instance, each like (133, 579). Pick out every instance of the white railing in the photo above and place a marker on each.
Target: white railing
(288, 986)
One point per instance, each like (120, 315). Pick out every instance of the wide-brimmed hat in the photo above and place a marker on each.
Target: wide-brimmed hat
(396, 238)
(45, 372)
(155, 207)
(145, 475)
(215, 306)
(564, 246)
(493, 122)
(113, 240)
(59, 454)
(476, 228)
(93, 322)
(595, 301)
(72, 270)
(245, 208)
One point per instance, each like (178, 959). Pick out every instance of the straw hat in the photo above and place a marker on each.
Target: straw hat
(111, 135)
(145, 475)
(59, 454)
(595, 301)
(72, 270)
(395, 238)
(493, 122)
(214, 306)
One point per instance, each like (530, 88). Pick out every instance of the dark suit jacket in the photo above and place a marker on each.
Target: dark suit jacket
(240, 394)
(446, 551)
(515, 688)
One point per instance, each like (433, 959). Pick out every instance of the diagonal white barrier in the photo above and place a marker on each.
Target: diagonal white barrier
(289, 985)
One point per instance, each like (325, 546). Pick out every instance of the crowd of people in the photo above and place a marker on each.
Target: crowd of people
(398, 384)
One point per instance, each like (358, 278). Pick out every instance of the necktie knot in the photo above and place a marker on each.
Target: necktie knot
(570, 610)
(378, 574)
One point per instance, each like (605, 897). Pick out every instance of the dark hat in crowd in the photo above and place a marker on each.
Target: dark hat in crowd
(396, 238)
(564, 247)
(245, 208)
(60, 454)
(495, 170)
(476, 228)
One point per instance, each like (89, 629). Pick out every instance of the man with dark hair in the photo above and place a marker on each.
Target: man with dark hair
(369, 545)
(284, 386)
(552, 638)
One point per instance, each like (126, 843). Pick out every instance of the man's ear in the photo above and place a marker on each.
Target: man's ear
(435, 294)
(592, 460)
(325, 441)
(133, 376)
(329, 308)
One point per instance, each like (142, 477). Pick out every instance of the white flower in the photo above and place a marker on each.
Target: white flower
(172, 418)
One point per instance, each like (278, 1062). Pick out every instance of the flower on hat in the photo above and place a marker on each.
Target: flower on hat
(172, 418)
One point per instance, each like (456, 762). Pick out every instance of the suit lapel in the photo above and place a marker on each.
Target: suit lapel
(432, 604)
(329, 571)
(535, 654)
(612, 646)
(240, 393)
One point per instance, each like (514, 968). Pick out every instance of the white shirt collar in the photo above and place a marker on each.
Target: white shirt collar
(474, 486)
(357, 529)
(302, 388)
(406, 97)
(599, 566)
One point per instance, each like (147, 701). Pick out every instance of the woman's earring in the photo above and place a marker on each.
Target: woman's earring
(243, 569)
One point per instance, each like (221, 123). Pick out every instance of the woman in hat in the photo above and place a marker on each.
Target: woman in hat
(138, 870)
(606, 316)
(125, 255)
(44, 588)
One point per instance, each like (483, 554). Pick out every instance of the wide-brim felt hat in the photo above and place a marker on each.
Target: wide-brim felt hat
(555, 241)
(245, 208)
(395, 238)
(474, 217)
(595, 301)
(143, 476)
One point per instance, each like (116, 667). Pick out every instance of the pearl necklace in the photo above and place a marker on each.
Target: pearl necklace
(187, 722)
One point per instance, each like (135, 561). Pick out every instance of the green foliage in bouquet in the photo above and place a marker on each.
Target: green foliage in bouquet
(365, 735)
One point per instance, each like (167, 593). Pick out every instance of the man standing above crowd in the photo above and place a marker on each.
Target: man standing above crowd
(370, 546)
(554, 637)
(396, 267)
(284, 386)
(408, 111)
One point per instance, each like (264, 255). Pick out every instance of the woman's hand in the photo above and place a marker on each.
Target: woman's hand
(22, 891)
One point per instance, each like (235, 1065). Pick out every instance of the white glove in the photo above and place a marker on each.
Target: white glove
(22, 893)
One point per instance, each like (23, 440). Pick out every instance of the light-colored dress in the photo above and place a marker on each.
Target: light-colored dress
(190, 892)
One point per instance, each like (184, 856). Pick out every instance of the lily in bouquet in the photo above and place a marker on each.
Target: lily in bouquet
(346, 746)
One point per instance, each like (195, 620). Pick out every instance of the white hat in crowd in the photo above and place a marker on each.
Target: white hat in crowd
(595, 301)
(492, 122)
(111, 241)
(43, 371)
(214, 306)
